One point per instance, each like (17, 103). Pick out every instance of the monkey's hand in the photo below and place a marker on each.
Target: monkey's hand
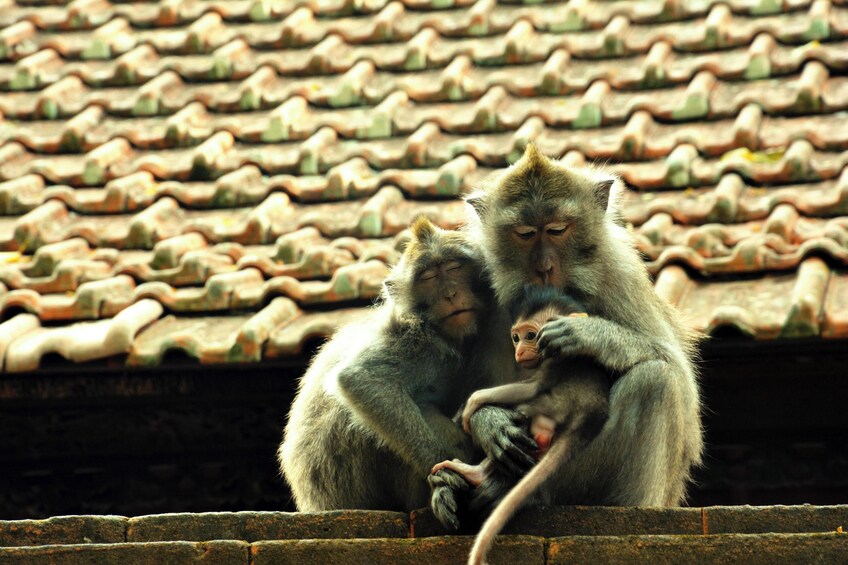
(612, 345)
(566, 337)
(445, 484)
(504, 442)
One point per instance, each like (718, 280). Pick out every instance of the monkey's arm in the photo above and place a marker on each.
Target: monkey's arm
(449, 432)
(512, 393)
(380, 400)
(614, 346)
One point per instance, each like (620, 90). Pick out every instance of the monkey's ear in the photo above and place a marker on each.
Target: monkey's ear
(389, 287)
(422, 229)
(477, 200)
(602, 192)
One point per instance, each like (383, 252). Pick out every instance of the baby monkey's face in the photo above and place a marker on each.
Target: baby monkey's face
(525, 334)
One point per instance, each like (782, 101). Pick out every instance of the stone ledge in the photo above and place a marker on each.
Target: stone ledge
(63, 530)
(751, 549)
(542, 522)
(161, 553)
(617, 521)
(257, 526)
(778, 519)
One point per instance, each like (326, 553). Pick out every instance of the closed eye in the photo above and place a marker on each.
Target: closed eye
(427, 275)
(557, 230)
(525, 232)
(453, 265)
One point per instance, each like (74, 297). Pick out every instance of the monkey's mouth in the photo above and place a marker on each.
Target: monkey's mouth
(530, 363)
(459, 313)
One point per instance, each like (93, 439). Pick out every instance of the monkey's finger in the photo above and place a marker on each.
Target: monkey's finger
(513, 460)
(444, 508)
(525, 442)
(521, 458)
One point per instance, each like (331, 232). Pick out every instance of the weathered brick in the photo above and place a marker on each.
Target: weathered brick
(255, 526)
(762, 549)
(423, 524)
(786, 519)
(63, 530)
(581, 520)
(161, 553)
(605, 520)
(507, 550)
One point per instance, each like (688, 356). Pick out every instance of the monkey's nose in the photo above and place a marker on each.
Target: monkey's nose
(545, 274)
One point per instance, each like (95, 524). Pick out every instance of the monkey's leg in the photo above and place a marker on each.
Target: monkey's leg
(451, 433)
(513, 393)
(644, 453)
(474, 474)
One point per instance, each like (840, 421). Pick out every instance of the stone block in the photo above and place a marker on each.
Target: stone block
(166, 553)
(762, 549)
(453, 549)
(779, 519)
(255, 526)
(605, 520)
(63, 530)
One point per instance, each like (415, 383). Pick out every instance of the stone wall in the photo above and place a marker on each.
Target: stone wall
(753, 535)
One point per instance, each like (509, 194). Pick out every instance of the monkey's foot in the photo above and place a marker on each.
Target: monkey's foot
(445, 487)
(473, 474)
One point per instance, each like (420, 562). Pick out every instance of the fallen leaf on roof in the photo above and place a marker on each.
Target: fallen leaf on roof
(10, 256)
(767, 156)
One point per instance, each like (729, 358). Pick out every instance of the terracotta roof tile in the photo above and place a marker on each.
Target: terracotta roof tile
(774, 306)
(251, 167)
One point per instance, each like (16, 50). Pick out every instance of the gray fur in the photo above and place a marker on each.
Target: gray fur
(578, 403)
(653, 438)
(373, 411)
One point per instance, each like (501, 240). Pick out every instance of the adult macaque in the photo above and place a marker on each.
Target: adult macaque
(566, 397)
(373, 412)
(542, 223)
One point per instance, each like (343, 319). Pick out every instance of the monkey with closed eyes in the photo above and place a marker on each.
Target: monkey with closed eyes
(373, 411)
(542, 223)
(566, 397)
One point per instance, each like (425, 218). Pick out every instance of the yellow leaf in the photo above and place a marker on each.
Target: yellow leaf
(766, 156)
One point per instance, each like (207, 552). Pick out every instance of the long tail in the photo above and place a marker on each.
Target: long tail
(519, 493)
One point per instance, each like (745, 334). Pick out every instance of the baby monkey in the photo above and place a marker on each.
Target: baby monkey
(564, 415)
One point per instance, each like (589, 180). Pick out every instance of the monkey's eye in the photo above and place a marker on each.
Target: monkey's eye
(515, 338)
(530, 336)
(427, 275)
(557, 230)
(452, 265)
(525, 232)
